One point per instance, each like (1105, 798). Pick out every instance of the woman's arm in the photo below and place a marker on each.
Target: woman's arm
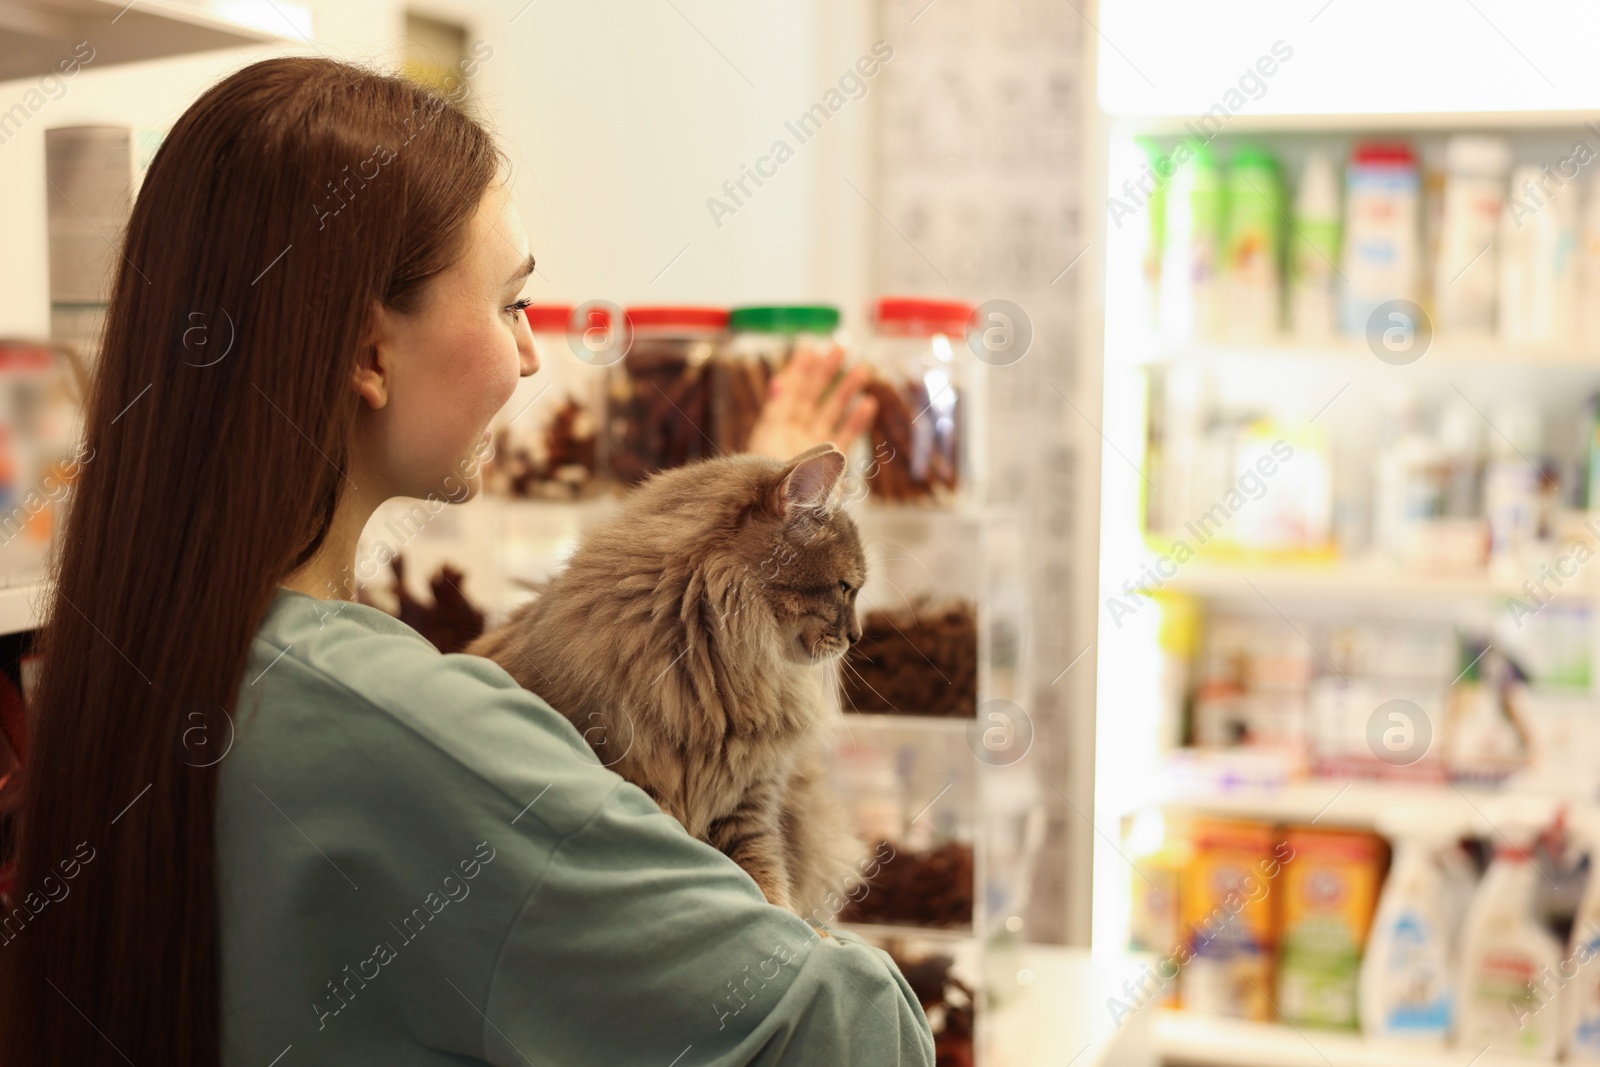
(649, 947)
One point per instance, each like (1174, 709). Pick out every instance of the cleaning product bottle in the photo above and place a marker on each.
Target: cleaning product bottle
(1583, 959)
(1314, 250)
(1508, 957)
(1407, 974)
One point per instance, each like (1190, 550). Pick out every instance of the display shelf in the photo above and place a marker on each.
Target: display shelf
(872, 720)
(1465, 350)
(20, 607)
(1259, 122)
(1326, 801)
(1195, 1040)
(36, 35)
(1353, 579)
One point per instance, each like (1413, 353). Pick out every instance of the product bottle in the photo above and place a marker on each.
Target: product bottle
(1314, 250)
(1190, 290)
(1407, 974)
(1411, 483)
(1588, 324)
(1253, 247)
(1381, 249)
(1511, 486)
(1467, 276)
(1539, 277)
(1509, 959)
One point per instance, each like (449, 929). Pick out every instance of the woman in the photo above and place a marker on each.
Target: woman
(263, 827)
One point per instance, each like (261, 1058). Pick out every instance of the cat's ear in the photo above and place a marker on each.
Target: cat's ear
(808, 480)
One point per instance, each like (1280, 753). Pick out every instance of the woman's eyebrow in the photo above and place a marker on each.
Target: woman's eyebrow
(522, 271)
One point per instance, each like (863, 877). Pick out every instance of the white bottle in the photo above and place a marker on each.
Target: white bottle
(1410, 483)
(1314, 250)
(1539, 260)
(1467, 277)
(1509, 959)
(1582, 1023)
(1408, 971)
(1511, 486)
(1382, 242)
(1588, 325)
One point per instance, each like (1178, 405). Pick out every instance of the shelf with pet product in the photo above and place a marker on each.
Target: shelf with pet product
(1431, 940)
(1479, 239)
(932, 751)
(927, 760)
(1348, 514)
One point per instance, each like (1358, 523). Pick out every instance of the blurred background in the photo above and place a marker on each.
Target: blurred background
(1228, 691)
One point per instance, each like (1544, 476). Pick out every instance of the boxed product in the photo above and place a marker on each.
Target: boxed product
(1328, 891)
(1227, 919)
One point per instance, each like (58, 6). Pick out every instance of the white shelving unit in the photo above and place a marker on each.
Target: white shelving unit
(1130, 660)
(35, 35)
(1201, 1041)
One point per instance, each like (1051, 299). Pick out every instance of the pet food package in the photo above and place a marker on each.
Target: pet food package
(1227, 909)
(1328, 894)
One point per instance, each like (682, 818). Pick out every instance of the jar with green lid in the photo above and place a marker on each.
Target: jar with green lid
(760, 343)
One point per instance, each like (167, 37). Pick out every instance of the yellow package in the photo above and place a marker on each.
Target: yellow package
(1228, 926)
(1330, 892)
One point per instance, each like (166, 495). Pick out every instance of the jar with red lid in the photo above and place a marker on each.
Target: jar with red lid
(920, 440)
(659, 393)
(547, 439)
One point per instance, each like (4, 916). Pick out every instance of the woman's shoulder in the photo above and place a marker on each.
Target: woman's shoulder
(340, 684)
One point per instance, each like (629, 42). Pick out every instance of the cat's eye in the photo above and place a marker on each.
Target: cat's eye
(844, 587)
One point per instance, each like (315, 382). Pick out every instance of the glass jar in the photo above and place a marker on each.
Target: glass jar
(659, 392)
(760, 342)
(547, 439)
(920, 440)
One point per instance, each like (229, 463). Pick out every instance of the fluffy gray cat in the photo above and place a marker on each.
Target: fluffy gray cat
(694, 638)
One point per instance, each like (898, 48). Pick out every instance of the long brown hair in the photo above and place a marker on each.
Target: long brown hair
(283, 203)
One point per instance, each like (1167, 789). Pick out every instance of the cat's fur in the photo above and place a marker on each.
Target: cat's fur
(694, 639)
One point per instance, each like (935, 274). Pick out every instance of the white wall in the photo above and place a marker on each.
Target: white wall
(621, 119)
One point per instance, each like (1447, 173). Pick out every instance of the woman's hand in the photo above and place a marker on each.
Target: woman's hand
(801, 410)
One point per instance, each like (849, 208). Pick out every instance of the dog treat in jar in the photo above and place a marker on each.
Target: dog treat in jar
(547, 439)
(919, 439)
(760, 342)
(659, 392)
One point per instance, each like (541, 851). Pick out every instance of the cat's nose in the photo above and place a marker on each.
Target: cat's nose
(852, 633)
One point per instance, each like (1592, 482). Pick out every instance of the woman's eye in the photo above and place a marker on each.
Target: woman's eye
(519, 307)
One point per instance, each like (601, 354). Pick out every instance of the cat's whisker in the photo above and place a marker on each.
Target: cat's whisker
(862, 679)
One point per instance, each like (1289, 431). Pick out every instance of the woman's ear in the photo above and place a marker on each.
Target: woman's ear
(372, 362)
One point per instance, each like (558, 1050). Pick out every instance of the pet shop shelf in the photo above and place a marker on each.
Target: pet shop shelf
(931, 753)
(39, 33)
(1196, 1040)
